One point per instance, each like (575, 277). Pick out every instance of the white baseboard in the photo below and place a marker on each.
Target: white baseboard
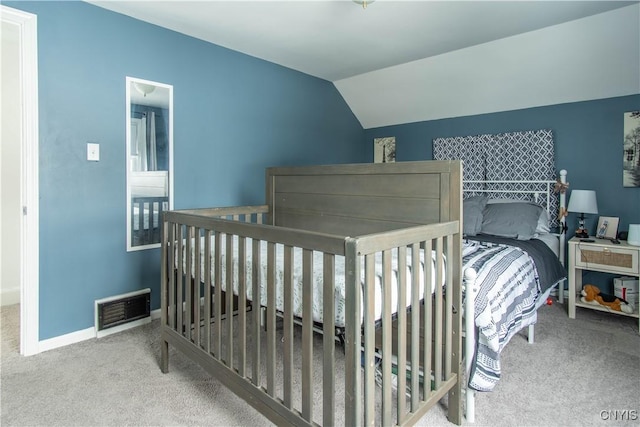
(66, 339)
(9, 296)
(123, 327)
(85, 334)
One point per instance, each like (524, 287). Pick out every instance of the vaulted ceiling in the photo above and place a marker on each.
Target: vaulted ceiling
(389, 46)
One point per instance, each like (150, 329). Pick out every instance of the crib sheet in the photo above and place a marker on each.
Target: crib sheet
(339, 290)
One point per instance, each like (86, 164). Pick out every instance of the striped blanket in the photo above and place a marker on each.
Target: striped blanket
(507, 286)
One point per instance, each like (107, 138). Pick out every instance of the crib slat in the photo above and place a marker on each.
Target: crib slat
(160, 212)
(165, 288)
(438, 315)
(181, 273)
(217, 295)
(195, 305)
(255, 330)
(415, 322)
(352, 382)
(242, 305)
(271, 318)
(188, 297)
(229, 297)
(207, 290)
(448, 312)
(307, 334)
(141, 230)
(328, 340)
(402, 334)
(288, 326)
(387, 338)
(153, 221)
(427, 343)
(369, 339)
(148, 207)
(454, 261)
(172, 275)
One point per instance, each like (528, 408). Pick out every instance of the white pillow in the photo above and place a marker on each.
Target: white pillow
(543, 223)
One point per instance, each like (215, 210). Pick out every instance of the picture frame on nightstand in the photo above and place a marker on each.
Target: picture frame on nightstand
(607, 227)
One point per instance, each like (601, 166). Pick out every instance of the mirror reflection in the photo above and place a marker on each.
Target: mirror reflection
(149, 160)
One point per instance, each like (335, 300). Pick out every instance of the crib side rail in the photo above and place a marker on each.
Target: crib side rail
(230, 212)
(250, 225)
(425, 343)
(244, 354)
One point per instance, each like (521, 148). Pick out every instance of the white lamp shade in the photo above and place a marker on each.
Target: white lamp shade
(583, 201)
(634, 235)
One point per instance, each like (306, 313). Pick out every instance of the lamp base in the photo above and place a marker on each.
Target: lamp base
(582, 233)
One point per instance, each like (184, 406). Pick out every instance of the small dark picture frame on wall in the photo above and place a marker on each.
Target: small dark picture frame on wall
(607, 227)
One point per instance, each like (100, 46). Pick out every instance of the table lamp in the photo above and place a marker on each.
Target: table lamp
(633, 237)
(582, 202)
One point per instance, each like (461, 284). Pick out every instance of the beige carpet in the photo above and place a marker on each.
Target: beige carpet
(576, 370)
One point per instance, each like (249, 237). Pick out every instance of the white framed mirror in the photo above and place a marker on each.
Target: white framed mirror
(149, 158)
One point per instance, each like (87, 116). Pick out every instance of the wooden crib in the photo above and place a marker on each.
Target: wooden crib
(349, 251)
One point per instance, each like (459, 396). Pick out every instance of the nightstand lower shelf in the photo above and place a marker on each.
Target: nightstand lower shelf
(605, 309)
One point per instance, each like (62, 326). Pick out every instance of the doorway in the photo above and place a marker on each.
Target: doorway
(20, 115)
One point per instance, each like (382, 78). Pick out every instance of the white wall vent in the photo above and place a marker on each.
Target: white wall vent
(120, 312)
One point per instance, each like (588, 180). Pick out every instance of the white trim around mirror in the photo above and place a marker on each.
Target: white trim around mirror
(144, 180)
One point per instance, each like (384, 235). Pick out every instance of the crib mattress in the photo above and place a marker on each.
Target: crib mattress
(317, 281)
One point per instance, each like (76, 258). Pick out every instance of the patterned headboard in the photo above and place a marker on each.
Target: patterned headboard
(514, 165)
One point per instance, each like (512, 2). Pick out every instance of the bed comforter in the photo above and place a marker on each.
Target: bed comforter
(509, 283)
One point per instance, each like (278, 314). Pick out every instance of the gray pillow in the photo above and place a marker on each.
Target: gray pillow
(472, 215)
(543, 220)
(515, 220)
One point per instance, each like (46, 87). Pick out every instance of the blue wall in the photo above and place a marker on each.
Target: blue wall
(588, 137)
(234, 115)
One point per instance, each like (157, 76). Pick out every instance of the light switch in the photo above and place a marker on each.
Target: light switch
(93, 151)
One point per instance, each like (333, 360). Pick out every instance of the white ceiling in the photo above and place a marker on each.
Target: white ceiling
(336, 40)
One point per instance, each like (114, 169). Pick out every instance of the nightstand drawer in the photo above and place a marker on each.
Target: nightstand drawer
(620, 260)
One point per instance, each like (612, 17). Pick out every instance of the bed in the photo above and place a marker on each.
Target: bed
(386, 238)
(515, 265)
(513, 202)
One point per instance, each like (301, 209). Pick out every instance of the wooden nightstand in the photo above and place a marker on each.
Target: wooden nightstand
(600, 255)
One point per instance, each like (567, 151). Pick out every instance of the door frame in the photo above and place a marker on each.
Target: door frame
(29, 185)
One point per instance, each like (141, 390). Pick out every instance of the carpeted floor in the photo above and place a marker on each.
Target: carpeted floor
(576, 370)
